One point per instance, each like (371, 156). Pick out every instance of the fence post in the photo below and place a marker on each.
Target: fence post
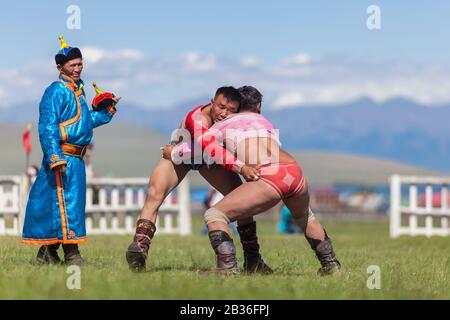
(184, 217)
(444, 206)
(23, 198)
(413, 206)
(395, 206)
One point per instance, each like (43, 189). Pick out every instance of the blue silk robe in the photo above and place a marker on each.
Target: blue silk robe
(56, 205)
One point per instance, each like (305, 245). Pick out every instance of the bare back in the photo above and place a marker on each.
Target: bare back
(252, 138)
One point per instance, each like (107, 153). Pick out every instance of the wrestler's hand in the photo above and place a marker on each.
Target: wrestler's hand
(61, 169)
(250, 173)
(167, 151)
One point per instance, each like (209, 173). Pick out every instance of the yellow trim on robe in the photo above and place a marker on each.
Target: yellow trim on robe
(71, 85)
(53, 165)
(53, 241)
(61, 204)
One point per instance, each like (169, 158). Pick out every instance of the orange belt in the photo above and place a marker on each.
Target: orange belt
(73, 150)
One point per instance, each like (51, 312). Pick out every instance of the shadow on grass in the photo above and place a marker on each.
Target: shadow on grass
(200, 271)
(277, 272)
(170, 268)
(62, 264)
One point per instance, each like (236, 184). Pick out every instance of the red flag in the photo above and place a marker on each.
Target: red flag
(26, 139)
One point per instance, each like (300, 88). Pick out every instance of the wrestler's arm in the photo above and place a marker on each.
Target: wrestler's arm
(179, 149)
(206, 138)
(177, 154)
(176, 138)
(225, 158)
(50, 137)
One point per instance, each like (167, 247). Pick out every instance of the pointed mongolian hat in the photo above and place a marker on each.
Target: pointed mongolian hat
(102, 99)
(66, 52)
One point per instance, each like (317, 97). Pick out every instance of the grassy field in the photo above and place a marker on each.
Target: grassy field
(411, 268)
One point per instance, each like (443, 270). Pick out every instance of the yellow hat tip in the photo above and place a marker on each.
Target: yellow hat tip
(97, 89)
(63, 42)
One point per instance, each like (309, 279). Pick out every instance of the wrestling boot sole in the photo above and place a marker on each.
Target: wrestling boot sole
(329, 269)
(135, 258)
(259, 267)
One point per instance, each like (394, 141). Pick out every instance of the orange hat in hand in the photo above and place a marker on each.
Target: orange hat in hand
(102, 99)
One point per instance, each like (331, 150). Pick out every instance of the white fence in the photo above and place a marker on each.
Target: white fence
(112, 206)
(10, 204)
(419, 206)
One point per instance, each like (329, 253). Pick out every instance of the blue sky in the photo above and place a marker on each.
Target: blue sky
(321, 34)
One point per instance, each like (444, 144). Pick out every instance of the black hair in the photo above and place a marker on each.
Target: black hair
(74, 53)
(231, 93)
(250, 98)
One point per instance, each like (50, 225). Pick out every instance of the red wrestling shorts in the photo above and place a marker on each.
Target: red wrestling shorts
(286, 177)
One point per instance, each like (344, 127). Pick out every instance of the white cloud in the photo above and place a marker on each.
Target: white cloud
(297, 66)
(195, 62)
(94, 55)
(300, 80)
(292, 72)
(250, 62)
(287, 100)
(129, 54)
(114, 85)
(299, 59)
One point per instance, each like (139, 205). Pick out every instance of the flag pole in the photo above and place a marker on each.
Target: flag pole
(27, 146)
(27, 165)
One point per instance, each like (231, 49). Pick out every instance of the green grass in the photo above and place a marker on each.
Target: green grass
(411, 268)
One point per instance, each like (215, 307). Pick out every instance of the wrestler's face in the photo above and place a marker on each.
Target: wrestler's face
(73, 68)
(222, 108)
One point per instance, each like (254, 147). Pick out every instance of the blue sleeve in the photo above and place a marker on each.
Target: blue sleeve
(102, 117)
(286, 213)
(50, 137)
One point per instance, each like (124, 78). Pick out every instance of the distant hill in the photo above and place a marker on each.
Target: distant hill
(399, 129)
(133, 151)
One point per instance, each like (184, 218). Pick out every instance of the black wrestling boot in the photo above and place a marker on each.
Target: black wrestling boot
(225, 252)
(48, 254)
(138, 250)
(72, 255)
(253, 263)
(325, 253)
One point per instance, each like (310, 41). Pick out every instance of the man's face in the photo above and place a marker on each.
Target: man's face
(73, 68)
(222, 108)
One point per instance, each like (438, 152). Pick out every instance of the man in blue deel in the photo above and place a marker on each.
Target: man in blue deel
(287, 223)
(55, 211)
